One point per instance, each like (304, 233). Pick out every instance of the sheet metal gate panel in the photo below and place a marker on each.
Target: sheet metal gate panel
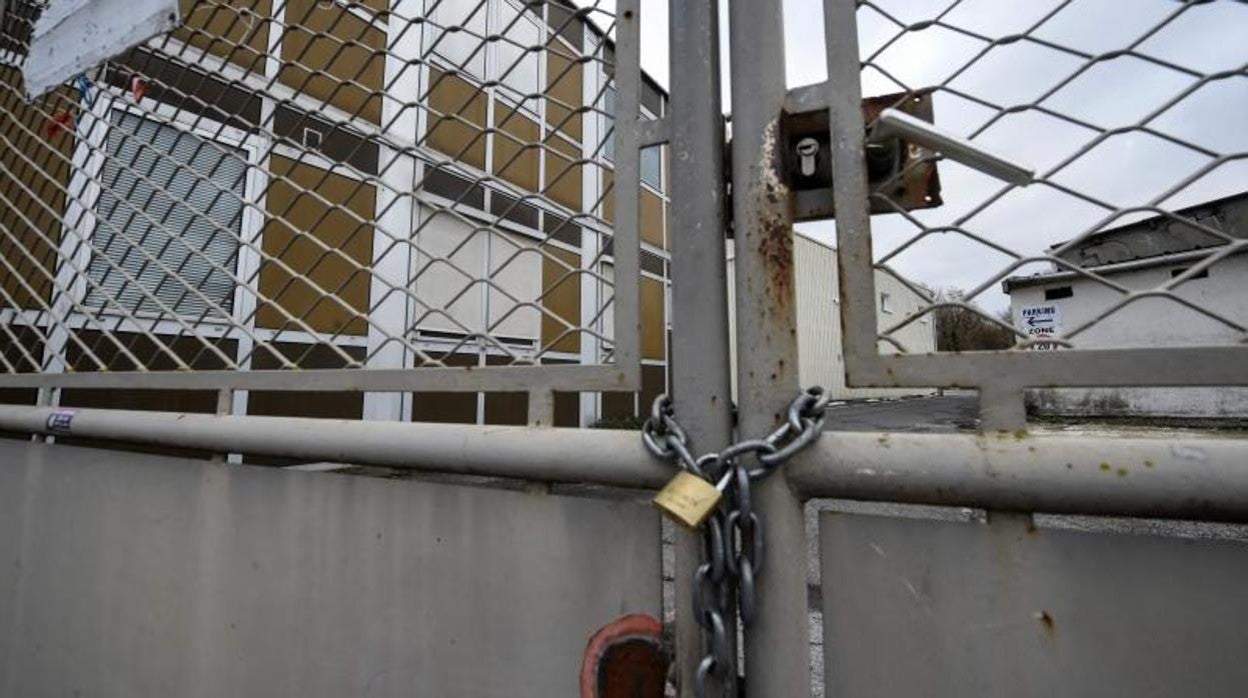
(917, 607)
(136, 575)
(497, 248)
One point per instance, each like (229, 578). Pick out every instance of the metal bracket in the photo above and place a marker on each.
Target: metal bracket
(906, 165)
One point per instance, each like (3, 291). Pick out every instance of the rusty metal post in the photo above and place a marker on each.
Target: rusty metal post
(777, 660)
(701, 386)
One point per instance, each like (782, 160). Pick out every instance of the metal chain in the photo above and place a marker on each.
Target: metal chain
(732, 537)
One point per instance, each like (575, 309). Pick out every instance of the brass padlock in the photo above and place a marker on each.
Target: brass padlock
(689, 499)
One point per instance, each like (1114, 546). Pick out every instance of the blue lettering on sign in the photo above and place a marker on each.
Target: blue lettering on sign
(1040, 320)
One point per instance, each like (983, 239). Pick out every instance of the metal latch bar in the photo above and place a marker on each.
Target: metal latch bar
(895, 123)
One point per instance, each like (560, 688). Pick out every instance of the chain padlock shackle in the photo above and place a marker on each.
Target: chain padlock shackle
(711, 493)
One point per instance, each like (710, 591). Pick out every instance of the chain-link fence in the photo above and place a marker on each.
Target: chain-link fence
(1094, 224)
(1090, 193)
(438, 208)
(322, 185)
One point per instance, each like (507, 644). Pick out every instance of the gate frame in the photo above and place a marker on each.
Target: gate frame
(701, 387)
(1192, 478)
(777, 658)
(999, 376)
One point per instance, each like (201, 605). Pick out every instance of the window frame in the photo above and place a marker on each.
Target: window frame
(491, 63)
(495, 68)
(359, 10)
(606, 129)
(641, 170)
(86, 169)
(9, 57)
(438, 337)
(435, 35)
(1057, 293)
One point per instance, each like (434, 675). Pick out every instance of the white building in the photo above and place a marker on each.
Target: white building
(820, 357)
(1144, 255)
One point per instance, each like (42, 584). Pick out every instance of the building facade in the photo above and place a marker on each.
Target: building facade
(821, 359)
(1160, 252)
(327, 184)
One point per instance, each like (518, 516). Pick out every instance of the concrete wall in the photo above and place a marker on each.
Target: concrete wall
(1151, 322)
(819, 338)
(126, 575)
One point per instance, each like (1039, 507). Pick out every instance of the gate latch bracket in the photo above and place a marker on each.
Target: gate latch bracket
(906, 168)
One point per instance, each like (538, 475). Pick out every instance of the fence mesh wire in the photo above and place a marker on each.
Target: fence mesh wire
(285, 184)
(1132, 233)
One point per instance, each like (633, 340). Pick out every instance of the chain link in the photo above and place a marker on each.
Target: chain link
(732, 536)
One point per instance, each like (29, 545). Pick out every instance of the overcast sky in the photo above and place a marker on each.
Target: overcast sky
(1128, 169)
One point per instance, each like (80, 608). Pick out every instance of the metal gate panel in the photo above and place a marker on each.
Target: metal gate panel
(138, 575)
(939, 608)
(276, 192)
(876, 353)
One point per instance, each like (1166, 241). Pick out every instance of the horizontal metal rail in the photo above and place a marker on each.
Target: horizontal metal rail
(1100, 475)
(1061, 473)
(581, 456)
(565, 377)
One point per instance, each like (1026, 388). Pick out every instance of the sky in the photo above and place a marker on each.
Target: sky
(1123, 170)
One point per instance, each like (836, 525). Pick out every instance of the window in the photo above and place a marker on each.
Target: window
(17, 22)
(652, 167)
(311, 138)
(886, 302)
(1052, 294)
(608, 124)
(456, 34)
(518, 67)
(185, 210)
(1202, 274)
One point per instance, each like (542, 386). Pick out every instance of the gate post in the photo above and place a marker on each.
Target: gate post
(777, 651)
(701, 386)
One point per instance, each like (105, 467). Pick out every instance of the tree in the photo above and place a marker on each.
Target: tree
(961, 329)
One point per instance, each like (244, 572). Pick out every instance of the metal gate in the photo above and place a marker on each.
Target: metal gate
(289, 231)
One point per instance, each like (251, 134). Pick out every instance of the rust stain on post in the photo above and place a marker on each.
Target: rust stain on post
(775, 229)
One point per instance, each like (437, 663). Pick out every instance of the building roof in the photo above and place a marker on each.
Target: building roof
(1163, 260)
(1213, 212)
(1158, 240)
(610, 43)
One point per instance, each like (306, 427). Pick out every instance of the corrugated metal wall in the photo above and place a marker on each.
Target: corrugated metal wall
(819, 321)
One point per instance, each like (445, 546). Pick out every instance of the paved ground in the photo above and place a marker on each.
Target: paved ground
(918, 414)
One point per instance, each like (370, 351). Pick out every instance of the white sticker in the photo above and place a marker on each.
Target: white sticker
(1039, 322)
(59, 421)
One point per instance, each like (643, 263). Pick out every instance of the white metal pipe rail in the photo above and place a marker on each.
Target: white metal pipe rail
(580, 456)
(1202, 479)
(1189, 478)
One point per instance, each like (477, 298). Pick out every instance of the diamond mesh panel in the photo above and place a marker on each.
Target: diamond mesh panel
(1132, 232)
(286, 184)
